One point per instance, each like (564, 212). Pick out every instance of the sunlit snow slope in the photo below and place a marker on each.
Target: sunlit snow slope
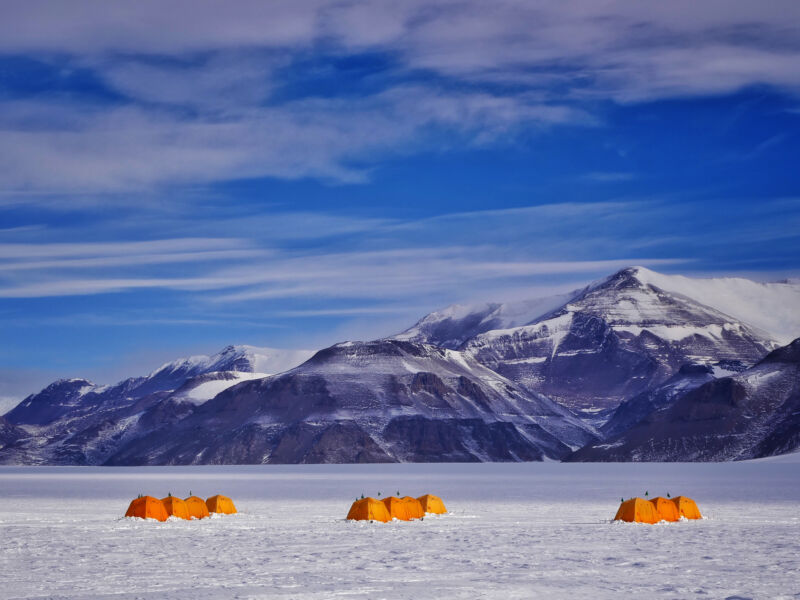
(614, 340)
(381, 401)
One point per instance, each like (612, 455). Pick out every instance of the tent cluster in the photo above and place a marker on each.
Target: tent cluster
(392, 507)
(639, 510)
(193, 507)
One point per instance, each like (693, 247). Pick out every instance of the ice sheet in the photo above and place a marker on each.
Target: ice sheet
(515, 531)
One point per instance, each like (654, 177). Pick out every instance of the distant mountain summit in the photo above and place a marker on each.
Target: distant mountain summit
(615, 339)
(55, 401)
(453, 326)
(768, 307)
(75, 421)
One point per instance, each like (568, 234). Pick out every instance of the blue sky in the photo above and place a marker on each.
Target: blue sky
(177, 177)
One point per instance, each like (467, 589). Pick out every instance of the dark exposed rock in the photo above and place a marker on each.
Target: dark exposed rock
(633, 411)
(749, 415)
(368, 402)
(613, 341)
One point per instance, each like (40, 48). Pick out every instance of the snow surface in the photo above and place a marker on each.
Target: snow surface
(514, 531)
(262, 360)
(207, 390)
(772, 307)
(504, 315)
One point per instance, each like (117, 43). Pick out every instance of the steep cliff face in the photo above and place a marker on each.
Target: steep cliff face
(749, 415)
(74, 421)
(498, 381)
(386, 400)
(613, 341)
(9, 434)
(633, 411)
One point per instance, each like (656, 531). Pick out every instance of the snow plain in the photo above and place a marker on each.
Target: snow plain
(518, 530)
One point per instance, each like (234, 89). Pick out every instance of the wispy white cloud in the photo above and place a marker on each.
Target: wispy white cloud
(351, 276)
(201, 103)
(391, 261)
(359, 260)
(132, 259)
(124, 248)
(137, 147)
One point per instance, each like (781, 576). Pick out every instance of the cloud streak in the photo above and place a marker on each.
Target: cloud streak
(210, 98)
(117, 149)
(387, 260)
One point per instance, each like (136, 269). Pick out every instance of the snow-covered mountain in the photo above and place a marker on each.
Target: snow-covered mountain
(614, 340)
(9, 434)
(488, 382)
(769, 307)
(74, 421)
(750, 415)
(633, 411)
(454, 325)
(72, 397)
(381, 401)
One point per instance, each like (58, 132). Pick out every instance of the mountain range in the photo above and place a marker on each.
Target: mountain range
(633, 367)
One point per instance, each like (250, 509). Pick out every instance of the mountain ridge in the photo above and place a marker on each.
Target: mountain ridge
(621, 347)
(753, 414)
(613, 340)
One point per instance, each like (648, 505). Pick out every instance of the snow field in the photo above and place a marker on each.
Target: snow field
(514, 531)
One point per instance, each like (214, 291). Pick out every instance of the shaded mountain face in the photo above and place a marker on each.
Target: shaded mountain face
(749, 415)
(386, 400)
(52, 403)
(9, 434)
(69, 398)
(613, 341)
(633, 411)
(465, 383)
(78, 422)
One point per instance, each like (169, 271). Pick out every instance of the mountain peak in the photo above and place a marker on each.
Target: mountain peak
(52, 402)
(785, 354)
(634, 275)
(240, 357)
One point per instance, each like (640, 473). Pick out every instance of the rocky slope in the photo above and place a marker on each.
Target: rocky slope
(75, 421)
(454, 325)
(9, 434)
(465, 383)
(633, 411)
(614, 340)
(379, 401)
(750, 415)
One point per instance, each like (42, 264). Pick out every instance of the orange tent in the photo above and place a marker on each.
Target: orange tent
(220, 504)
(414, 507)
(665, 509)
(368, 509)
(147, 507)
(687, 507)
(197, 507)
(397, 508)
(432, 504)
(637, 510)
(175, 507)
